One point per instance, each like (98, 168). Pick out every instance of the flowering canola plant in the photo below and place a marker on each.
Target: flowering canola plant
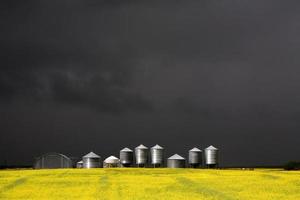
(144, 184)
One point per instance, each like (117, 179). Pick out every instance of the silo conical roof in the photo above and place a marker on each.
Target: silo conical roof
(126, 150)
(176, 157)
(211, 147)
(79, 162)
(157, 147)
(111, 159)
(195, 149)
(91, 155)
(141, 146)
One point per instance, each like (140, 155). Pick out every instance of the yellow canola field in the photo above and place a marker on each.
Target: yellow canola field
(144, 184)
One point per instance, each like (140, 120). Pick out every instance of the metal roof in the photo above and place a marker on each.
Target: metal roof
(141, 146)
(126, 150)
(91, 155)
(195, 149)
(211, 147)
(111, 159)
(80, 162)
(52, 153)
(176, 157)
(157, 147)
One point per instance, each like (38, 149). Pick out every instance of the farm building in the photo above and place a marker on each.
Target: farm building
(176, 161)
(141, 155)
(79, 164)
(195, 158)
(111, 161)
(157, 156)
(53, 161)
(211, 157)
(91, 160)
(126, 157)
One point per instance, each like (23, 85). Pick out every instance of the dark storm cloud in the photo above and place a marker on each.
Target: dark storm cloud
(198, 72)
(53, 57)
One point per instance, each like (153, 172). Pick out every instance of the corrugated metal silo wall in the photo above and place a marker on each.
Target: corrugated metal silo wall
(141, 156)
(157, 157)
(176, 163)
(195, 158)
(211, 157)
(126, 158)
(91, 162)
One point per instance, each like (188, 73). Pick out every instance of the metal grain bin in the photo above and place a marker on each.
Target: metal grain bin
(111, 161)
(157, 156)
(126, 157)
(91, 160)
(195, 158)
(211, 157)
(53, 161)
(141, 156)
(79, 164)
(176, 161)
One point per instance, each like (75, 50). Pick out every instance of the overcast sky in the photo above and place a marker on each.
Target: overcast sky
(82, 75)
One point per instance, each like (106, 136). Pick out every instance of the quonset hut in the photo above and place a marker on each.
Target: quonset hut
(111, 161)
(195, 158)
(53, 161)
(157, 156)
(91, 160)
(176, 161)
(141, 155)
(211, 157)
(126, 157)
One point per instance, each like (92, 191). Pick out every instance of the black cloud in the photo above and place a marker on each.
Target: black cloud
(180, 73)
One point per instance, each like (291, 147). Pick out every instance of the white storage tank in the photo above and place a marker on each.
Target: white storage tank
(79, 164)
(91, 160)
(195, 158)
(157, 156)
(141, 156)
(176, 161)
(126, 157)
(111, 161)
(211, 157)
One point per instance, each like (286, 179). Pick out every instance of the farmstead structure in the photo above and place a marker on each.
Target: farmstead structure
(141, 157)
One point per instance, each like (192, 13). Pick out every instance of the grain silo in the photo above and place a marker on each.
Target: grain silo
(79, 164)
(126, 157)
(157, 156)
(53, 161)
(91, 160)
(141, 156)
(211, 157)
(111, 161)
(176, 161)
(195, 158)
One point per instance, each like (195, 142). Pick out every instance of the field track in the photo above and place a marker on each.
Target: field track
(144, 184)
